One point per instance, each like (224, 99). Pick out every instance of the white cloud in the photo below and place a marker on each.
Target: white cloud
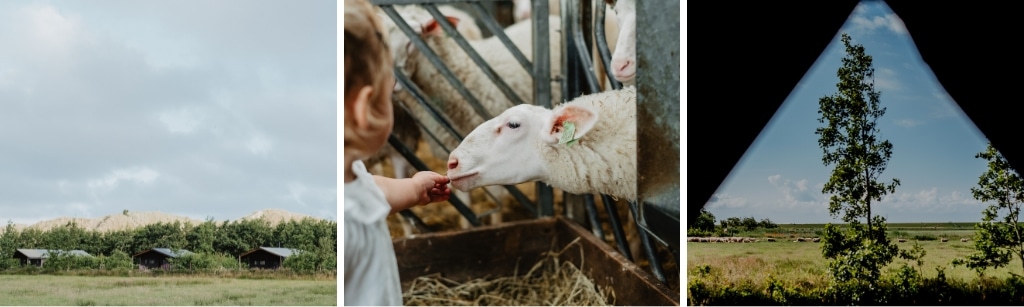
(888, 21)
(50, 27)
(295, 191)
(793, 191)
(259, 145)
(909, 123)
(723, 200)
(928, 199)
(138, 175)
(886, 80)
(184, 120)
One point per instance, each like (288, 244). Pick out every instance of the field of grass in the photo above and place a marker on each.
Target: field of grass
(802, 266)
(745, 273)
(51, 290)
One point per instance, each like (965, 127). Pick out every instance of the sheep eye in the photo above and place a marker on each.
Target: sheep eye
(513, 125)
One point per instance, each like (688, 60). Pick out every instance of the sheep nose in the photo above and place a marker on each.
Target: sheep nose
(453, 163)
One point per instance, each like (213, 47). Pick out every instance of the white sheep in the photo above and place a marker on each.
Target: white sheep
(522, 10)
(624, 56)
(531, 143)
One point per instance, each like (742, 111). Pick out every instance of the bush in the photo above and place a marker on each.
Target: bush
(925, 237)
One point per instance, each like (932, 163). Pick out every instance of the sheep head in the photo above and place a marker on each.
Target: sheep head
(624, 59)
(507, 149)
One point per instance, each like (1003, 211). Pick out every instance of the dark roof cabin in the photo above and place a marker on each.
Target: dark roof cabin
(267, 257)
(38, 256)
(157, 258)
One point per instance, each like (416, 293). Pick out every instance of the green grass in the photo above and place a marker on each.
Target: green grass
(51, 290)
(802, 262)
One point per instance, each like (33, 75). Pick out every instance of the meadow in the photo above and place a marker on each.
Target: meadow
(57, 290)
(801, 267)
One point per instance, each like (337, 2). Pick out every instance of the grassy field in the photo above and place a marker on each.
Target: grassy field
(802, 264)
(50, 290)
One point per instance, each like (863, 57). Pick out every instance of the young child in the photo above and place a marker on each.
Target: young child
(371, 270)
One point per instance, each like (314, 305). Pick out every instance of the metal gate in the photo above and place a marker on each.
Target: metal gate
(578, 78)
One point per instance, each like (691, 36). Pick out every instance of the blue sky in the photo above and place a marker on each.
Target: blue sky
(196, 108)
(781, 175)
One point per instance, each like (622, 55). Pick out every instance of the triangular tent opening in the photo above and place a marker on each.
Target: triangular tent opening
(749, 65)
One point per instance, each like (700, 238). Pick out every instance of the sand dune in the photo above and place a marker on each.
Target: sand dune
(133, 220)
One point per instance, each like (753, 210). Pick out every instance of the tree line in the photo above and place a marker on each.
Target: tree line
(705, 225)
(212, 242)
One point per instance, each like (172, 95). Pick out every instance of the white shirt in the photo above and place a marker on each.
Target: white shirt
(371, 269)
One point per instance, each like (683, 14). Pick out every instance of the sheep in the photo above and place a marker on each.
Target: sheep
(963, 239)
(526, 143)
(902, 240)
(426, 76)
(522, 10)
(467, 24)
(944, 240)
(624, 57)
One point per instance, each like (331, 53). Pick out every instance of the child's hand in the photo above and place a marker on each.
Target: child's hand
(434, 187)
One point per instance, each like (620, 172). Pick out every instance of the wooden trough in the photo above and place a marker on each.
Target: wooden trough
(495, 251)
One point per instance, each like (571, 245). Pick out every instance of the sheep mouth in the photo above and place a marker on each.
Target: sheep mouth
(460, 177)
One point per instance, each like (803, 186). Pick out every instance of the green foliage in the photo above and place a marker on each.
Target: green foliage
(704, 223)
(117, 260)
(1000, 234)
(197, 262)
(856, 253)
(65, 261)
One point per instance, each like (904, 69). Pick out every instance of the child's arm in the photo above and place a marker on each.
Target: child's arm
(423, 188)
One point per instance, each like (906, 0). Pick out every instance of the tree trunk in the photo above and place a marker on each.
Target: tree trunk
(867, 201)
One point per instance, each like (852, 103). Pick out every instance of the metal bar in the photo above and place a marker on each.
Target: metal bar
(620, 234)
(436, 61)
(416, 93)
(595, 223)
(582, 48)
(602, 46)
(415, 220)
(403, 2)
(473, 55)
(419, 165)
(542, 87)
(499, 32)
(652, 255)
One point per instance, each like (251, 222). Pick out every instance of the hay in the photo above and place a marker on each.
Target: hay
(549, 283)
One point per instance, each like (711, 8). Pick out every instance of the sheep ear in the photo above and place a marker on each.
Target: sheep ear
(432, 27)
(582, 119)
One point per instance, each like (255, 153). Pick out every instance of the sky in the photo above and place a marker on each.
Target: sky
(197, 108)
(781, 175)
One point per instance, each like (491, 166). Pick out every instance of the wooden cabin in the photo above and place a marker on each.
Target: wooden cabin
(266, 257)
(157, 258)
(38, 257)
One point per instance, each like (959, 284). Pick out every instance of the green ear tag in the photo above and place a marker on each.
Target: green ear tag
(568, 130)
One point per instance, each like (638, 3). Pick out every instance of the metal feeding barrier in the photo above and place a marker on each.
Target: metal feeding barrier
(578, 78)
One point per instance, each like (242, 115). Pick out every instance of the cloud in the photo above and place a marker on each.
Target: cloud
(162, 106)
(722, 200)
(871, 23)
(138, 175)
(909, 123)
(259, 145)
(886, 80)
(928, 199)
(793, 191)
(184, 120)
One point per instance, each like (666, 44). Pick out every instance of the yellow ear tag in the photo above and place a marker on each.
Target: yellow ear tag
(568, 130)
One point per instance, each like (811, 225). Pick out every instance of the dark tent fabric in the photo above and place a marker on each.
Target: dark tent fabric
(744, 59)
